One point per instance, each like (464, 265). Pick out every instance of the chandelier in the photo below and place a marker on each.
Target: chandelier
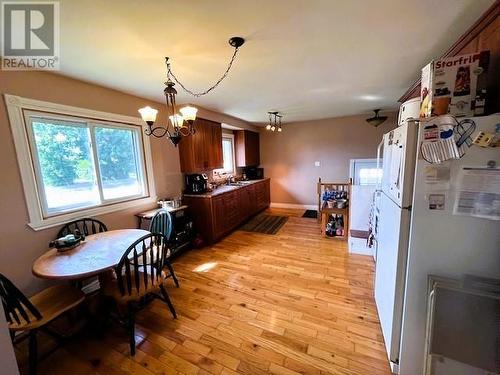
(274, 122)
(181, 125)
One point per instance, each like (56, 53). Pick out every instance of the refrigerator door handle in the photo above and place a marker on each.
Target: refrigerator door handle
(379, 149)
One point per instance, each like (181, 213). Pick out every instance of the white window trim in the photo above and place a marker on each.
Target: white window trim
(15, 107)
(222, 170)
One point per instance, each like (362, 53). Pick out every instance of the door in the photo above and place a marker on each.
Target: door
(214, 146)
(390, 271)
(200, 149)
(399, 162)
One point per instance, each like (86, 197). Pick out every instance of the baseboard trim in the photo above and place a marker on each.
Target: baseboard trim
(294, 206)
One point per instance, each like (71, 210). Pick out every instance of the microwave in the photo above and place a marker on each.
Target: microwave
(254, 173)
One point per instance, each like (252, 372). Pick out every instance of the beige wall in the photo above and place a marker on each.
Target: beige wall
(288, 157)
(20, 245)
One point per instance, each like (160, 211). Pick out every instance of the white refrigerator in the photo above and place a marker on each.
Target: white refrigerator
(418, 236)
(394, 199)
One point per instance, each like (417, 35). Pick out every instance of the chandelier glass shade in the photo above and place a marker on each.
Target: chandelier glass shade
(274, 124)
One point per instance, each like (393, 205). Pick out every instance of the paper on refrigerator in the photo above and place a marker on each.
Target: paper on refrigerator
(478, 193)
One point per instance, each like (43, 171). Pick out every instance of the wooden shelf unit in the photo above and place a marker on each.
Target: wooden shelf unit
(325, 212)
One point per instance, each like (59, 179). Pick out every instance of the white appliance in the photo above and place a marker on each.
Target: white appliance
(394, 202)
(414, 241)
(409, 110)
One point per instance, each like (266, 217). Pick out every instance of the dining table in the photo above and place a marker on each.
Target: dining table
(94, 256)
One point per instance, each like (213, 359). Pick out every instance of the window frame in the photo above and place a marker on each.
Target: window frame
(19, 109)
(222, 170)
(352, 170)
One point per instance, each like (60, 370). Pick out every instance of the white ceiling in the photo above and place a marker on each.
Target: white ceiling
(309, 59)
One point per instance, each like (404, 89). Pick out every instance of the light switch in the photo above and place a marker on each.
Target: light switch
(317, 163)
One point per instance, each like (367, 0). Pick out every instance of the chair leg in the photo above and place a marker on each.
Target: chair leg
(33, 352)
(171, 270)
(131, 328)
(167, 301)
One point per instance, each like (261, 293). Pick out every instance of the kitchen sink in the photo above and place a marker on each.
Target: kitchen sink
(240, 183)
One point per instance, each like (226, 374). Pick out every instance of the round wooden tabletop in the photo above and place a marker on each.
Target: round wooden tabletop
(99, 252)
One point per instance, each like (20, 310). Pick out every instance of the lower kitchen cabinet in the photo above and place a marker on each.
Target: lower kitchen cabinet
(216, 215)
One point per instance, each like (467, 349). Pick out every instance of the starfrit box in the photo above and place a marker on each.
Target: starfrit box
(454, 85)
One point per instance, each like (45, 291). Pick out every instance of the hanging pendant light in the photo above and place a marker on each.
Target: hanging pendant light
(176, 128)
(274, 122)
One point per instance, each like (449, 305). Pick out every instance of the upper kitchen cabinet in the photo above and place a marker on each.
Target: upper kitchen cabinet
(202, 151)
(247, 148)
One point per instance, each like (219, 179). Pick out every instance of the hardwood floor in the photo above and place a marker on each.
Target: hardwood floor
(291, 303)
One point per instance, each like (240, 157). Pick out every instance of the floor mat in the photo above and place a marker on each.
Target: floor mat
(267, 224)
(312, 214)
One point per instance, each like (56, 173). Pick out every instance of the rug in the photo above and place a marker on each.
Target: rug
(267, 224)
(312, 214)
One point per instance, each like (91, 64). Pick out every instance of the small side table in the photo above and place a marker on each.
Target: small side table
(182, 226)
(148, 215)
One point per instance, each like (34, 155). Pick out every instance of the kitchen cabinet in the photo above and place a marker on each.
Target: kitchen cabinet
(248, 201)
(226, 212)
(218, 213)
(262, 196)
(202, 151)
(247, 148)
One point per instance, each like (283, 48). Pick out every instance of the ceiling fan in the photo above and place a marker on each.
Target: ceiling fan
(376, 120)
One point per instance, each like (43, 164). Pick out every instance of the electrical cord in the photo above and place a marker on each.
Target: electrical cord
(201, 93)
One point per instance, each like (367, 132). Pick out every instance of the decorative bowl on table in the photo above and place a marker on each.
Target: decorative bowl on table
(68, 242)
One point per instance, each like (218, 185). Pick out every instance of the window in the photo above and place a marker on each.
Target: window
(365, 172)
(227, 154)
(77, 162)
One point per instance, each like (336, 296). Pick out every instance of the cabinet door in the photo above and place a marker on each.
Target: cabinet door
(202, 151)
(248, 202)
(247, 147)
(262, 194)
(214, 146)
(252, 148)
(200, 139)
(232, 207)
(219, 216)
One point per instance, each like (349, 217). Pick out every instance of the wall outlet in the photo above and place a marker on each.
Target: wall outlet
(317, 163)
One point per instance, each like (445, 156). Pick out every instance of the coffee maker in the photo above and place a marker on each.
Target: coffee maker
(196, 183)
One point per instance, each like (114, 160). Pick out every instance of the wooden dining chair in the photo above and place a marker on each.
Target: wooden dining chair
(132, 282)
(31, 314)
(86, 226)
(161, 223)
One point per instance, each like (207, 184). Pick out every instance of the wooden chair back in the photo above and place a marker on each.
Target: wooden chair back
(162, 223)
(86, 226)
(141, 266)
(17, 307)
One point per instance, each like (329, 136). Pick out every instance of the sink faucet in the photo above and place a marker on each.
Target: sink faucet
(230, 179)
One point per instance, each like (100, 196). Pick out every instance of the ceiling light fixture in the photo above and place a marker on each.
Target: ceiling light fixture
(274, 122)
(376, 120)
(182, 124)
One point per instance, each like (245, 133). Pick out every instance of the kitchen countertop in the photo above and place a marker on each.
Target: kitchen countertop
(223, 189)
